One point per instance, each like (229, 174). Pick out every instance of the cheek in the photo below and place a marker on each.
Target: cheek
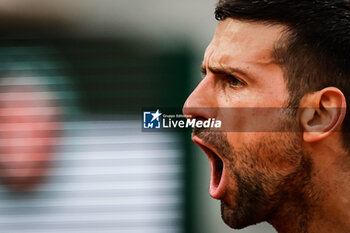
(275, 153)
(242, 116)
(263, 160)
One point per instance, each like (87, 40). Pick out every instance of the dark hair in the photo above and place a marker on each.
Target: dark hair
(315, 51)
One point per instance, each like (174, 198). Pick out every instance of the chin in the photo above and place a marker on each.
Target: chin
(238, 218)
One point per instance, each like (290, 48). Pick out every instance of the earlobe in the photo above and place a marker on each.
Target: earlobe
(322, 113)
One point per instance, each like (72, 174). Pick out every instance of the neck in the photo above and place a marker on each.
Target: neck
(294, 210)
(304, 218)
(321, 204)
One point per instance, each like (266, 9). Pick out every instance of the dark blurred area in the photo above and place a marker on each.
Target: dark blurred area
(109, 75)
(73, 156)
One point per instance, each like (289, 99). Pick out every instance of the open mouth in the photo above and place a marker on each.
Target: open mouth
(216, 187)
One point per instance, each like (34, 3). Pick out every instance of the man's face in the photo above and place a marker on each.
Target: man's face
(250, 171)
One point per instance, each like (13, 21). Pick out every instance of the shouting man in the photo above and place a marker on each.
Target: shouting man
(287, 55)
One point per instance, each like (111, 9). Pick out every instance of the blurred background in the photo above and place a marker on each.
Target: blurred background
(74, 77)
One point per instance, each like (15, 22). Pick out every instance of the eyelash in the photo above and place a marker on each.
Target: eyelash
(231, 79)
(234, 81)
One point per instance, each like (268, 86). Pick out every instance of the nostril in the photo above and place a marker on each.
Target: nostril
(186, 112)
(194, 113)
(200, 114)
(199, 118)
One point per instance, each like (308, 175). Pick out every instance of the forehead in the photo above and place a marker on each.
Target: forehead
(243, 43)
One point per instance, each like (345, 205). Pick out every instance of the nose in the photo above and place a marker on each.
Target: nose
(202, 101)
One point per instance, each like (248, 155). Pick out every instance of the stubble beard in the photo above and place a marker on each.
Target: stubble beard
(261, 190)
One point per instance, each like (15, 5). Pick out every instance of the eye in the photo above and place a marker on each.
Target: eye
(234, 82)
(203, 72)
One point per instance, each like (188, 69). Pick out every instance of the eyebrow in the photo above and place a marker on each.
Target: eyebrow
(217, 70)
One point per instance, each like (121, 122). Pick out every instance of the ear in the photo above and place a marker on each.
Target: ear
(321, 113)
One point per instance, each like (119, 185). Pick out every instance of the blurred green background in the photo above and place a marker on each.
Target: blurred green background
(104, 61)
